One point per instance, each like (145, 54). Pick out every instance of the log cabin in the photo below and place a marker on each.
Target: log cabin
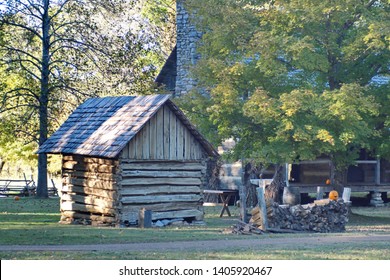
(124, 154)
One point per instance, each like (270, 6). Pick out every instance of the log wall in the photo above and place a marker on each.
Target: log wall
(89, 192)
(169, 189)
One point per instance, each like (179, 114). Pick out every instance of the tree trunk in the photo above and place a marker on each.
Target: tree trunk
(2, 162)
(274, 192)
(340, 180)
(338, 177)
(250, 171)
(43, 101)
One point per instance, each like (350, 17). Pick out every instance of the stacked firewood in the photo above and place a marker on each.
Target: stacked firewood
(321, 216)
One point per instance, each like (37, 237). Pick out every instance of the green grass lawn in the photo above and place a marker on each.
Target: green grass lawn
(33, 221)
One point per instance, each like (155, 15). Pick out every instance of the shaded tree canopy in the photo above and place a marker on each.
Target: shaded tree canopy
(292, 80)
(56, 53)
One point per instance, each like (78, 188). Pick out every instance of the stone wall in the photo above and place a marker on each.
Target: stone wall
(187, 37)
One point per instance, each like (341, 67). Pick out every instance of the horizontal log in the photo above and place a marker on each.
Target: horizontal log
(92, 183)
(76, 215)
(162, 174)
(161, 181)
(106, 194)
(322, 201)
(73, 206)
(161, 198)
(167, 189)
(89, 167)
(164, 166)
(91, 175)
(84, 159)
(69, 164)
(91, 200)
(161, 206)
(132, 217)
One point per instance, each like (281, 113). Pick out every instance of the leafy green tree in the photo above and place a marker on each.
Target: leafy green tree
(65, 51)
(293, 80)
(161, 16)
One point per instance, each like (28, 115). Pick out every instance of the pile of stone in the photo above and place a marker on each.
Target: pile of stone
(376, 199)
(177, 222)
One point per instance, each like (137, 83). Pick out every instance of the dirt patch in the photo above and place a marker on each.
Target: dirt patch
(209, 245)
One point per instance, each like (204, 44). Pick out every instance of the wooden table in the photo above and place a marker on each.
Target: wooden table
(225, 196)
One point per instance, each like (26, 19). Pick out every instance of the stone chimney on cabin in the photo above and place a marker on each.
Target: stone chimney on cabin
(175, 74)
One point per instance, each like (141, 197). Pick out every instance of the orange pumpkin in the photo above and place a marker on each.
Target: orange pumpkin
(16, 198)
(334, 195)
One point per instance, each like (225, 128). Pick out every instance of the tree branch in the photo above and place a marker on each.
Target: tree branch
(28, 7)
(13, 49)
(21, 89)
(4, 21)
(60, 9)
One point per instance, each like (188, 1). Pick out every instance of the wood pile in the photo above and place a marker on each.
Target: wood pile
(322, 216)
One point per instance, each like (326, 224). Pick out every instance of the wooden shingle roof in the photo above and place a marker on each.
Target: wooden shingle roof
(103, 126)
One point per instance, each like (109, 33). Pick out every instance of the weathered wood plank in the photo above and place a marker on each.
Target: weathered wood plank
(90, 200)
(166, 133)
(262, 207)
(106, 194)
(187, 143)
(153, 138)
(169, 206)
(139, 145)
(91, 175)
(132, 148)
(151, 190)
(73, 206)
(161, 181)
(161, 198)
(83, 159)
(145, 218)
(145, 142)
(160, 134)
(99, 184)
(180, 140)
(77, 215)
(192, 148)
(133, 216)
(172, 137)
(125, 152)
(164, 166)
(162, 174)
(89, 167)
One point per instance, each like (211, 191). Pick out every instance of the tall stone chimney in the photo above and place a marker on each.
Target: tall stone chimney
(175, 74)
(186, 37)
